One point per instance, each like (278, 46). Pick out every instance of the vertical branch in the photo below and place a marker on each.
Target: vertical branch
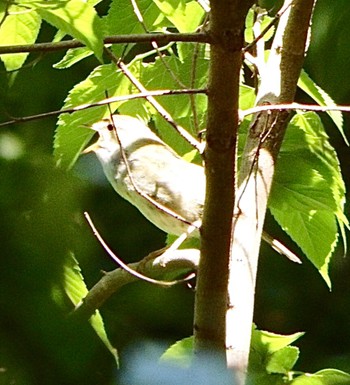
(226, 28)
(266, 133)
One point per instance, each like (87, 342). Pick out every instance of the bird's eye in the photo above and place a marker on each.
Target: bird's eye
(110, 127)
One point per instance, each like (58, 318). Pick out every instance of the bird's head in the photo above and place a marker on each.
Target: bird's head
(127, 129)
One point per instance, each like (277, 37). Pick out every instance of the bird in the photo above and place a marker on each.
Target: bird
(168, 190)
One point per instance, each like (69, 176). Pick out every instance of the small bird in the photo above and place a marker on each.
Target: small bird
(145, 171)
(168, 190)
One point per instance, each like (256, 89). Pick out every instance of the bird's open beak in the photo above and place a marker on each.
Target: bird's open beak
(91, 148)
(96, 127)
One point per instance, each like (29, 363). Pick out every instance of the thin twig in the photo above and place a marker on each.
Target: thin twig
(293, 106)
(160, 38)
(242, 113)
(100, 103)
(280, 248)
(126, 267)
(205, 5)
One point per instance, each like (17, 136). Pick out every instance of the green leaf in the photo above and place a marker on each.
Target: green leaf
(328, 156)
(323, 99)
(72, 135)
(271, 357)
(121, 19)
(185, 16)
(248, 31)
(266, 342)
(249, 23)
(180, 353)
(323, 377)
(308, 195)
(246, 97)
(76, 18)
(283, 360)
(312, 125)
(269, 353)
(72, 57)
(166, 73)
(20, 26)
(137, 108)
(76, 290)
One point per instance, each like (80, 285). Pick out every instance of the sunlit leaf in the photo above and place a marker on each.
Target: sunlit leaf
(246, 97)
(270, 354)
(72, 57)
(186, 17)
(76, 290)
(249, 23)
(76, 18)
(172, 72)
(283, 360)
(180, 353)
(20, 26)
(267, 342)
(323, 377)
(121, 19)
(323, 99)
(72, 133)
(308, 194)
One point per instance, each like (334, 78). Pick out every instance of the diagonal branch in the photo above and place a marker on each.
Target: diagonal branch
(159, 108)
(278, 85)
(129, 270)
(155, 265)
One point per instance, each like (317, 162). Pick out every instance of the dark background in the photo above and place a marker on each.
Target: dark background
(41, 220)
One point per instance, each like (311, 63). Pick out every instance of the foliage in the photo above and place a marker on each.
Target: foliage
(70, 140)
(308, 197)
(271, 361)
(76, 290)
